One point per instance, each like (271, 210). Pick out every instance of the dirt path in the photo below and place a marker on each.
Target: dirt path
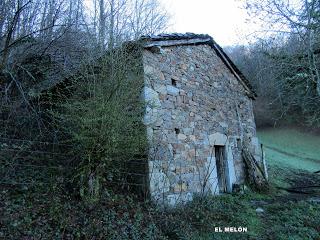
(303, 186)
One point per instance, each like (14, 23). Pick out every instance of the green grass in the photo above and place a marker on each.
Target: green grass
(291, 148)
(51, 213)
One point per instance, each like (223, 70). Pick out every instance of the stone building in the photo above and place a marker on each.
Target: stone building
(198, 117)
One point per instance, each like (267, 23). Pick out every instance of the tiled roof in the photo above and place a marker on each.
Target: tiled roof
(175, 36)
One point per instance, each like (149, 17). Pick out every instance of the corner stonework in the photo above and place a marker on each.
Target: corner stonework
(194, 106)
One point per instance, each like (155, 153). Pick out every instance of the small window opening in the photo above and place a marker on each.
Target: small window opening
(239, 143)
(173, 82)
(177, 130)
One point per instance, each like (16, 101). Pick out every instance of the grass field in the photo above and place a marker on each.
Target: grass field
(291, 148)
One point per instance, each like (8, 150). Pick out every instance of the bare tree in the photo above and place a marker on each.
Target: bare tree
(299, 18)
(118, 21)
(284, 64)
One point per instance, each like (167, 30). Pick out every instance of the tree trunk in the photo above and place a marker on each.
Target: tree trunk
(102, 23)
(111, 27)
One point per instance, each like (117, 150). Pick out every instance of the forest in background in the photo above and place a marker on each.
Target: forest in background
(283, 62)
(64, 149)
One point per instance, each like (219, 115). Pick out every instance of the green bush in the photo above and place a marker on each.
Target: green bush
(103, 118)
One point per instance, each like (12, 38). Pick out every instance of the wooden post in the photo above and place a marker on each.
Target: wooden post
(265, 169)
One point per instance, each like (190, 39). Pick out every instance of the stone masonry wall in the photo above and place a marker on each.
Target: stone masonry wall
(193, 103)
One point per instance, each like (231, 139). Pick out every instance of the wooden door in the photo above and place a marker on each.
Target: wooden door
(221, 164)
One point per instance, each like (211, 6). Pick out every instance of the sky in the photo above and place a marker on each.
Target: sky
(224, 20)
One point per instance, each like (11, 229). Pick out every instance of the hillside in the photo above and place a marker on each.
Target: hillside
(291, 148)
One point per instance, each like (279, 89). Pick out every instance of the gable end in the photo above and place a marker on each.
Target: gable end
(167, 40)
